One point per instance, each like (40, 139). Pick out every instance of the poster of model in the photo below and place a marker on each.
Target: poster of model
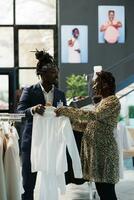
(111, 24)
(74, 44)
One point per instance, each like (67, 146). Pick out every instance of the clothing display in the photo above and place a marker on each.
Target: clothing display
(10, 181)
(50, 137)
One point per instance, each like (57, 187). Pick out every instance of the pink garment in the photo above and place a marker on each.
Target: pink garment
(111, 34)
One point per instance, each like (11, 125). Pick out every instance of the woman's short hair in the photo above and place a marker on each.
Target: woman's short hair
(106, 81)
(45, 61)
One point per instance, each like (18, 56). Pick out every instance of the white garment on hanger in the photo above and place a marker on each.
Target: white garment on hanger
(2, 174)
(51, 186)
(12, 167)
(50, 137)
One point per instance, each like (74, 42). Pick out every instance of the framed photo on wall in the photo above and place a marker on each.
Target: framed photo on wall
(111, 24)
(74, 44)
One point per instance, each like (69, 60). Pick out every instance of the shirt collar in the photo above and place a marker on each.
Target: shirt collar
(43, 90)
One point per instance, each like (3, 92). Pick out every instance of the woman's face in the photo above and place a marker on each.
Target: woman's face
(97, 86)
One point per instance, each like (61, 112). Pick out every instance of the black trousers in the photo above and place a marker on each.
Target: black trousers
(29, 179)
(106, 191)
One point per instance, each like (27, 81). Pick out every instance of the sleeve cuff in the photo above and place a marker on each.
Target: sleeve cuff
(31, 112)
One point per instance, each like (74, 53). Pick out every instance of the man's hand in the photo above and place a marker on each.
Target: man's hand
(38, 109)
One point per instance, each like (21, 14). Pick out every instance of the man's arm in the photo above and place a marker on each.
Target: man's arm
(24, 103)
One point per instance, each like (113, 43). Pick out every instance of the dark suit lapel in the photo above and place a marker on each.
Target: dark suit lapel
(39, 94)
(56, 97)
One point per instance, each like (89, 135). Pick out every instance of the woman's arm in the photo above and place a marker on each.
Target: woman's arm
(109, 106)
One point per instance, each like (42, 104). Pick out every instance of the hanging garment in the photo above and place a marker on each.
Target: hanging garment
(50, 186)
(50, 137)
(2, 174)
(12, 166)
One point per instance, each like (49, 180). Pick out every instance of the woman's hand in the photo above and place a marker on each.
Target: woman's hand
(38, 109)
(58, 111)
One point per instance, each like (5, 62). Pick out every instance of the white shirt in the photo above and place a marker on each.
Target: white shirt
(48, 95)
(50, 136)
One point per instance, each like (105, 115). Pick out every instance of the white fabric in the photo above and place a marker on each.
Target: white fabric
(2, 174)
(51, 186)
(126, 140)
(50, 137)
(12, 167)
(118, 138)
(129, 136)
(48, 95)
(73, 55)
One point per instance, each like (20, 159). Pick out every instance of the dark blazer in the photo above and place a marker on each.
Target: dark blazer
(30, 97)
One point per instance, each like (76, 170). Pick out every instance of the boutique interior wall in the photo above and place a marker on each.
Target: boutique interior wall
(85, 12)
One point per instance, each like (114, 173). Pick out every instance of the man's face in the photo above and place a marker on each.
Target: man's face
(76, 33)
(111, 16)
(50, 76)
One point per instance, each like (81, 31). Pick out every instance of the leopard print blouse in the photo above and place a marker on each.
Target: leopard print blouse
(99, 151)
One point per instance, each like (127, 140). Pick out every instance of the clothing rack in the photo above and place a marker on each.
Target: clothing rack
(11, 116)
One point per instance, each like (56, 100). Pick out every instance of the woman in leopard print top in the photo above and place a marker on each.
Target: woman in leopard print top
(99, 151)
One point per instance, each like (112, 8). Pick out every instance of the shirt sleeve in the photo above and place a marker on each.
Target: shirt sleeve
(72, 148)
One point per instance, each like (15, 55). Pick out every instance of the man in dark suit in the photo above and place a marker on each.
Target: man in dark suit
(33, 100)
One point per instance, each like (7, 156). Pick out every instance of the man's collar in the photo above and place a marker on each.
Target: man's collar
(43, 90)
